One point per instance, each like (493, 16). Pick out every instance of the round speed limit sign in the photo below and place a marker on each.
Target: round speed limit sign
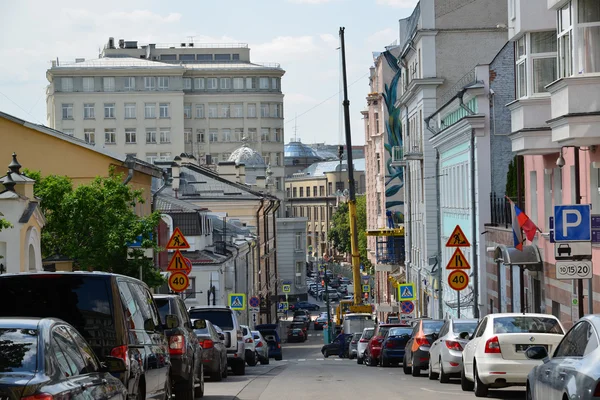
(574, 269)
(178, 282)
(458, 280)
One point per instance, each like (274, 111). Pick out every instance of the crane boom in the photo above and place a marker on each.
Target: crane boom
(351, 183)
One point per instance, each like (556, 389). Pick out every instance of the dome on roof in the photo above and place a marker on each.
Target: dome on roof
(247, 156)
(300, 150)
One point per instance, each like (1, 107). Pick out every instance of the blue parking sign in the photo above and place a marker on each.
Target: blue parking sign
(572, 223)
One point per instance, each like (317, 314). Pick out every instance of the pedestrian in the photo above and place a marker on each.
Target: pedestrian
(341, 339)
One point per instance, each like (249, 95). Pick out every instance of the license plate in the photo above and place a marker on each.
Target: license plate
(521, 348)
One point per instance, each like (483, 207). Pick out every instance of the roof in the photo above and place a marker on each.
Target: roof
(116, 63)
(298, 149)
(320, 168)
(20, 322)
(188, 222)
(247, 156)
(217, 223)
(236, 66)
(168, 204)
(140, 166)
(28, 212)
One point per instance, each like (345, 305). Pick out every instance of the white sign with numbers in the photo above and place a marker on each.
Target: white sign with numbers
(574, 269)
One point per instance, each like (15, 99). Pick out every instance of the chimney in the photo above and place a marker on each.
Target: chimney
(227, 170)
(175, 173)
(241, 172)
(261, 182)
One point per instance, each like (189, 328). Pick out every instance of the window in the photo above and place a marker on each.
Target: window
(165, 136)
(187, 83)
(578, 342)
(521, 59)
(67, 355)
(308, 191)
(565, 44)
(69, 132)
(264, 83)
(66, 84)
(314, 192)
(88, 84)
(298, 275)
(278, 159)
(150, 110)
(251, 110)
(200, 135)
(163, 83)
(278, 136)
(199, 83)
(238, 83)
(129, 110)
(110, 136)
(187, 135)
(277, 110)
(108, 83)
(222, 57)
(150, 135)
(204, 57)
(273, 83)
(187, 110)
(543, 58)
(89, 111)
(211, 83)
(109, 110)
(250, 83)
(238, 110)
(264, 134)
(149, 83)
(164, 110)
(89, 135)
(226, 134)
(298, 239)
(130, 136)
(225, 113)
(294, 193)
(213, 135)
(588, 36)
(199, 110)
(264, 110)
(225, 156)
(321, 193)
(301, 192)
(151, 157)
(278, 183)
(67, 111)
(238, 134)
(225, 83)
(129, 83)
(267, 158)
(212, 110)
(252, 134)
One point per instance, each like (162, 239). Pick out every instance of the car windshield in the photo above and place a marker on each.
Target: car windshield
(430, 327)
(368, 334)
(18, 350)
(163, 307)
(459, 327)
(383, 331)
(526, 324)
(400, 331)
(222, 318)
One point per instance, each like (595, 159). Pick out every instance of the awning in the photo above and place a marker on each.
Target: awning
(530, 258)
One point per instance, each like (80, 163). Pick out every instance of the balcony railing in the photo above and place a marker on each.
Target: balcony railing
(397, 154)
(500, 210)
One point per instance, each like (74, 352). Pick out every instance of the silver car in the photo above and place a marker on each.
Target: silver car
(573, 372)
(261, 346)
(367, 334)
(445, 354)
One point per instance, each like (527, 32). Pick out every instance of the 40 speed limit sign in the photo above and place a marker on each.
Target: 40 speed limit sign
(574, 269)
(458, 280)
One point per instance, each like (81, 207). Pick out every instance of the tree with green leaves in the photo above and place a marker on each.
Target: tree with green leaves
(93, 224)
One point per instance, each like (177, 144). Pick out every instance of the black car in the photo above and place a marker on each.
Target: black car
(305, 305)
(214, 354)
(296, 335)
(45, 359)
(333, 348)
(394, 343)
(116, 314)
(187, 375)
(416, 354)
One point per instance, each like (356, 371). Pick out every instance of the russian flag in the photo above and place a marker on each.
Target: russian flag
(521, 223)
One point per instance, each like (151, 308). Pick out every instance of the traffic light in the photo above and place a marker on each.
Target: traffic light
(366, 296)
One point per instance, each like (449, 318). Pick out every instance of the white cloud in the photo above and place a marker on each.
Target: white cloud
(378, 40)
(294, 48)
(398, 3)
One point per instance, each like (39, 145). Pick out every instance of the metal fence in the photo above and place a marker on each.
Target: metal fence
(500, 210)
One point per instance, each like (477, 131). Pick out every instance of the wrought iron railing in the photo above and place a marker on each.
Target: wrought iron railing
(500, 210)
(469, 78)
(397, 153)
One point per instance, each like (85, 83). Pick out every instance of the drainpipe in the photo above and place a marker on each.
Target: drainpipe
(247, 282)
(408, 238)
(257, 276)
(268, 260)
(440, 271)
(474, 229)
(275, 267)
(130, 164)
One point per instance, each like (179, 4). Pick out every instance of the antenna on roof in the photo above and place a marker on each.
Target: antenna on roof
(296, 128)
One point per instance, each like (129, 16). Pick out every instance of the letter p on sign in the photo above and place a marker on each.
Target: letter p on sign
(572, 224)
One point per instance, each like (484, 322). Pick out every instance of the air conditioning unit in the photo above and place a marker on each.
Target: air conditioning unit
(191, 45)
(182, 44)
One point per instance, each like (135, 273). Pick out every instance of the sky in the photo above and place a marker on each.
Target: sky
(301, 35)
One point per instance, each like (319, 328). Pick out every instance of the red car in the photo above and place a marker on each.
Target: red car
(373, 350)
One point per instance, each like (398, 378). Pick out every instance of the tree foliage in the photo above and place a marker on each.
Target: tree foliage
(512, 178)
(94, 223)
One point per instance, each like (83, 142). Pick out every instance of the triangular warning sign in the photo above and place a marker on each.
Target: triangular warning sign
(407, 293)
(177, 241)
(458, 238)
(236, 303)
(458, 261)
(177, 263)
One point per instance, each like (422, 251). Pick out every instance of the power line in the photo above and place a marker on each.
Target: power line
(22, 109)
(324, 101)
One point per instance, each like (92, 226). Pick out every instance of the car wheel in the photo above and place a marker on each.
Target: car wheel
(443, 377)
(278, 358)
(465, 384)
(528, 392)
(184, 390)
(251, 360)
(218, 375)
(317, 308)
(416, 371)
(239, 368)
(405, 366)
(481, 389)
(199, 391)
(359, 360)
(431, 375)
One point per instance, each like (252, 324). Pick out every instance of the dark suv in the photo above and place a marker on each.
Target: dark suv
(116, 314)
(187, 375)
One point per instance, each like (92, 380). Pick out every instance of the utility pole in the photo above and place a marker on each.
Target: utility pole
(351, 184)
(578, 201)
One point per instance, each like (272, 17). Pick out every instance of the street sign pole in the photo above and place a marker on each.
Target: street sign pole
(458, 303)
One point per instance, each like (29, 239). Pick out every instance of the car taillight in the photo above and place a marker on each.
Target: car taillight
(39, 396)
(176, 345)
(422, 341)
(278, 346)
(597, 391)
(249, 340)
(453, 345)
(259, 344)
(390, 344)
(364, 340)
(207, 344)
(492, 345)
(120, 352)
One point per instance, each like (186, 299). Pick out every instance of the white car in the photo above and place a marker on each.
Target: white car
(495, 356)
(262, 347)
(367, 334)
(251, 358)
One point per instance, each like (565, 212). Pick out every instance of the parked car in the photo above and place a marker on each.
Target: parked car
(214, 351)
(298, 325)
(45, 358)
(353, 352)
(116, 314)
(445, 354)
(296, 335)
(262, 347)
(320, 322)
(373, 350)
(495, 356)
(302, 313)
(251, 358)
(305, 305)
(333, 348)
(302, 319)
(187, 374)
(572, 372)
(269, 332)
(225, 318)
(333, 294)
(394, 345)
(367, 334)
(416, 352)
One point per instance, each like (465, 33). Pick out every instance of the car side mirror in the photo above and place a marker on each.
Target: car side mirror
(172, 321)
(222, 337)
(464, 335)
(536, 353)
(200, 324)
(149, 325)
(113, 365)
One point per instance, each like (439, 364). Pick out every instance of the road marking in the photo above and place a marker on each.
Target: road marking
(320, 359)
(439, 391)
(302, 359)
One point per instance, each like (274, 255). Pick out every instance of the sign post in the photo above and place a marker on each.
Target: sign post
(458, 279)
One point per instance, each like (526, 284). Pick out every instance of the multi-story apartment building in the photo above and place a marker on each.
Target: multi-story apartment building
(157, 101)
(439, 43)
(315, 193)
(556, 113)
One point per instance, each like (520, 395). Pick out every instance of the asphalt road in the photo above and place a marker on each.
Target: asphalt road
(305, 374)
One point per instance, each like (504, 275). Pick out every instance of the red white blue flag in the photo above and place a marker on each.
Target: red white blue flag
(521, 223)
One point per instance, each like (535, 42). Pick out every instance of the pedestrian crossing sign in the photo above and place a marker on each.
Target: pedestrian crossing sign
(366, 288)
(287, 288)
(406, 292)
(237, 301)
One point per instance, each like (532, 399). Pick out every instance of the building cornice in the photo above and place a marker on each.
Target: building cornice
(414, 86)
(458, 132)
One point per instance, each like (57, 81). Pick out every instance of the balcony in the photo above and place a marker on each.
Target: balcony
(500, 211)
(416, 153)
(530, 133)
(398, 156)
